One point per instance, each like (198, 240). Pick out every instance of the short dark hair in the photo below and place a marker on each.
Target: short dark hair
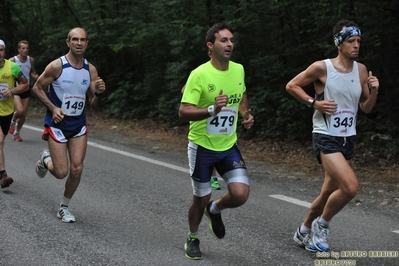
(22, 42)
(210, 35)
(342, 23)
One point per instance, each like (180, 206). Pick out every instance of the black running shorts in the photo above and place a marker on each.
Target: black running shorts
(331, 144)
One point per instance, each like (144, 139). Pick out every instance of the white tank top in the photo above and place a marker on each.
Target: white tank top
(25, 66)
(345, 89)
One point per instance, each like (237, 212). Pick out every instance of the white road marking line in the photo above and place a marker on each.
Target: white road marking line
(291, 200)
(34, 128)
(139, 157)
(396, 231)
(128, 154)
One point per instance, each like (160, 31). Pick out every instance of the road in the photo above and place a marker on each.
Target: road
(131, 209)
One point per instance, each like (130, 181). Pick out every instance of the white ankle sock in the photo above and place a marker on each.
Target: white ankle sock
(65, 201)
(214, 209)
(323, 222)
(304, 229)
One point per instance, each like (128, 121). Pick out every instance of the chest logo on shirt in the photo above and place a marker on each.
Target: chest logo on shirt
(84, 82)
(211, 88)
(67, 81)
(235, 98)
(5, 76)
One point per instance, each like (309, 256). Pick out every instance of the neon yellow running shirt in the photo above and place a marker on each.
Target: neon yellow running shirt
(8, 75)
(203, 86)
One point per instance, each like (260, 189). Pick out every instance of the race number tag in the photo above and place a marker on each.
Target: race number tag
(73, 105)
(223, 123)
(343, 123)
(3, 86)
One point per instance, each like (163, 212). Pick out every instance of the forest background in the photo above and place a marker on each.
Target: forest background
(145, 50)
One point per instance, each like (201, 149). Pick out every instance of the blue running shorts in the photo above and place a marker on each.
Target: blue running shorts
(229, 164)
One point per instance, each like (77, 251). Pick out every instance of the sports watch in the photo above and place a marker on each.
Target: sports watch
(310, 102)
(211, 110)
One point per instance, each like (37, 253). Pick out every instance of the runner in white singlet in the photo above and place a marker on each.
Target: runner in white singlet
(341, 85)
(21, 100)
(71, 79)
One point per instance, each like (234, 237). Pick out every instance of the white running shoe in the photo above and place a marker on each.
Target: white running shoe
(304, 240)
(41, 168)
(65, 215)
(309, 246)
(320, 236)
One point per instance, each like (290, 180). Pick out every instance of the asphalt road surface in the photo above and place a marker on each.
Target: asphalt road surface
(131, 209)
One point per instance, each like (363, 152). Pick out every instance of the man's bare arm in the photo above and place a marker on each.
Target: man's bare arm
(51, 72)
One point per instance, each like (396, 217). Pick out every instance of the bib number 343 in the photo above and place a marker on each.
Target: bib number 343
(343, 123)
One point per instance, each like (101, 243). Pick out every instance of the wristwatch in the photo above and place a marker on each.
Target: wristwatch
(211, 110)
(310, 102)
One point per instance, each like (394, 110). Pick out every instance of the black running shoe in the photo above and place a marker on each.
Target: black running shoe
(192, 249)
(215, 222)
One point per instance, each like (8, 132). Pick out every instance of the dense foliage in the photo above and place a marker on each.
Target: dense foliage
(145, 50)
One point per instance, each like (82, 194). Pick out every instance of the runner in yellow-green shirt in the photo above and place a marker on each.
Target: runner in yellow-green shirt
(214, 96)
(214, 178)
(9, 74)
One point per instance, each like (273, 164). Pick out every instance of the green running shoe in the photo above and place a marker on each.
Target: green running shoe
(215, 183)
